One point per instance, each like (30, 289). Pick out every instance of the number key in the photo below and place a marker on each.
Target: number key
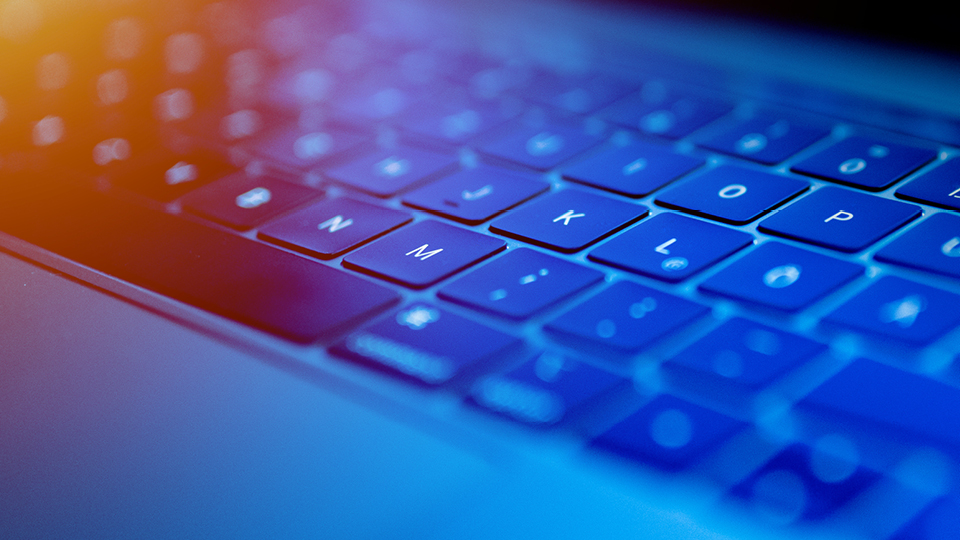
(866, 163)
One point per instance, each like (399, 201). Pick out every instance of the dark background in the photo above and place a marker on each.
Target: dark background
(917, 23)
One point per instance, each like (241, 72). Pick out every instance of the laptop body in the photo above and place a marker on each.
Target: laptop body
(128, 413)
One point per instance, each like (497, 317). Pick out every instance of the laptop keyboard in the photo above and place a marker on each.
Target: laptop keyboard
(671, 273)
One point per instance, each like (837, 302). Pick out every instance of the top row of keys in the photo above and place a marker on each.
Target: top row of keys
(865, 163)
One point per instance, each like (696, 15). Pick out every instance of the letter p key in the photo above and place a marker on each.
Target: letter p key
(839, 216)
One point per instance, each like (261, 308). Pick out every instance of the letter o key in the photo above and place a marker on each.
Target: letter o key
(732, 191)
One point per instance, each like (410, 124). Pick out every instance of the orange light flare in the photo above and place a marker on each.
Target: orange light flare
(74, 73)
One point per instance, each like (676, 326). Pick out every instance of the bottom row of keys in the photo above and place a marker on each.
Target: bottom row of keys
(544, 390)
(424, 343)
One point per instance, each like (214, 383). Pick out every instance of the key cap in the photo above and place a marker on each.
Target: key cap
(900, 309)
(893, 401)
(668, 432)
(544, 390)
(168, 175)
(424, 343)
(939, 186)
(303, 151)
(746, 353)
(473, 196)
(242, 202)
(580, 94)
(634, 170)
(457, 119)
(232, 276)
(626, 316)
(367, 99)
(782, 277)
(387, 172)
(541, 145)
(670, 113)
(520, 283)
(567, 220)
(932, 246)
(731, 194)
(670, 247)
(492, 79)
(807, 483)
(423, 254)
(840, 219)
(330, 228)
(767, 138)
(870, 164)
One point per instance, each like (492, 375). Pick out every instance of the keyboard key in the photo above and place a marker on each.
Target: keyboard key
(370, 98)
(745, 353)
(900, 309)
(626, 316)
(473, 196)
(424, 253)
(387, 172)
(169, 175)
(939, 186)
(670, 113)
(668, 432)
(542, 145)
(424, 343)
(766, 138)
(634, 170)
(817, 481)
(544, 389)
(490, 79)
(670, 247)
(214, 270)
(782, 277)
(866, 163)
(520, 283)
(329, 228)
(889, 398)
(305, 150)
(580, 94)
(455, 119)
(932, 246)
(242, 202)
(840, 219)
(568, 220)
(731, 194)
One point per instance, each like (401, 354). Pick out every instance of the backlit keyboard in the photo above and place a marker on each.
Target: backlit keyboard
(687, 277)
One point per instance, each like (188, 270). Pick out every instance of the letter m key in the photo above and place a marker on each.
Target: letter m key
(423, 255)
